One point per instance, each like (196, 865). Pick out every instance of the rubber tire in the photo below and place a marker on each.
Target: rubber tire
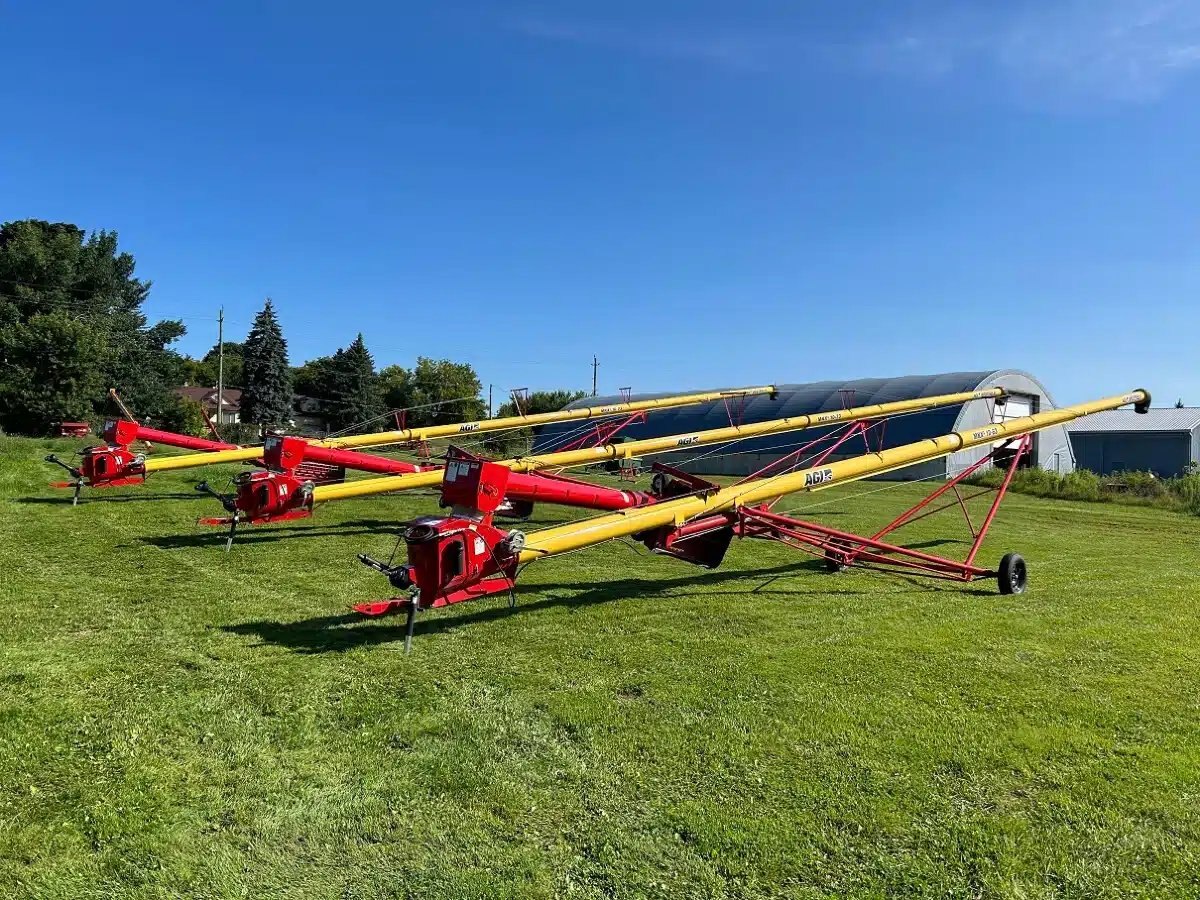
(833, 564)
(1013, 575)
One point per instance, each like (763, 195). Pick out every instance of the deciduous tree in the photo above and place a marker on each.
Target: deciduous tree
(541, 402)
(435, 391)
(71, 326)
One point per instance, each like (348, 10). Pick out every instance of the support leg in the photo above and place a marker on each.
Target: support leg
(408, 626)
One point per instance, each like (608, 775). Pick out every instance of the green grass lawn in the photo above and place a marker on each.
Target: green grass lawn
(176, 721)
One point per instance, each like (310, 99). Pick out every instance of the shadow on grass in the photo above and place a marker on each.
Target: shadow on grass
(87, 498)
(349, 631)
(283, 531)
(267, 534)
(934, 542)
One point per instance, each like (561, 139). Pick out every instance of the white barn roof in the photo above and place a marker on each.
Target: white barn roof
(1186, 419)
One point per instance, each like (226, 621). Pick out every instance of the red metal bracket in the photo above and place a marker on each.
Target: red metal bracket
(1019, 450)
(841, 549)
(735, 411)
(676, 482)
(603, 433)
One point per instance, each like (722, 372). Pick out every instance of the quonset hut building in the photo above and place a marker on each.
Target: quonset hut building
(1051, 449)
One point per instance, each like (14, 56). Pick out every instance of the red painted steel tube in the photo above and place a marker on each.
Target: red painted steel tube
(784, 523)
(365, 462)
(569, 492)
(533, 488)
(1024, 447)
(170, 439)
(910, 515)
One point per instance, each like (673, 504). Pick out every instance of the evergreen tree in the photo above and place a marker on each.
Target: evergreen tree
(353, 396)
(266, 375)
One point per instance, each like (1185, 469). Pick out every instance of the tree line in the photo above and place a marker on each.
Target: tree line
(71, 326)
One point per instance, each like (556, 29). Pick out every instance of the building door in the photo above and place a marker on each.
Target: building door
(1018, 406)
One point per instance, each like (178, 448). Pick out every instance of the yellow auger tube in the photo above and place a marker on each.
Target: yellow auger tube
(575, 535)
(430, 432)
(567, 458)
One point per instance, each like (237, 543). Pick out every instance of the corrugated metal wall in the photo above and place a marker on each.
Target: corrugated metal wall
(1165, 453)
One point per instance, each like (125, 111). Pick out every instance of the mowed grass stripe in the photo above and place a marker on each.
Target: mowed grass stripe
(175, 720)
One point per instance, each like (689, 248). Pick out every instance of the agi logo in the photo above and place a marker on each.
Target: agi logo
(469, 426)
(687, 441)
(821, 476)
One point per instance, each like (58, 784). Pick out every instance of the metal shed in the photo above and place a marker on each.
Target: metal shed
(1163, 441)
(1052, 449)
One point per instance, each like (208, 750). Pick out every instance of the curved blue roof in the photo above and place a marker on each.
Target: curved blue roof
(796, 400)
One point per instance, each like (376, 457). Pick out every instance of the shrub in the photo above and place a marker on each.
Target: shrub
(241, 433)
(183, 416)
(1139, 484)
(1186, 490)
(1082, 485)
(1182, 493)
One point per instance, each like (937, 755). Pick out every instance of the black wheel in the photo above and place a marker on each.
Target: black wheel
(658, 484)
(834, 561)
(1013, 574)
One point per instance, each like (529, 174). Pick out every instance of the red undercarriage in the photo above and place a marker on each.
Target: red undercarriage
(114, 463)
(284, 491)
(464, 557)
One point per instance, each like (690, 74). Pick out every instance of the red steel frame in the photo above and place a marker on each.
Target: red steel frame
(115, 463)
(740, 406)
(602, 432)
(841, 549)
(839, 437)
(520, 396)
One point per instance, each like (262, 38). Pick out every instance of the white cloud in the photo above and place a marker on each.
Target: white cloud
(1117, 50)
(726, 50)
(1051, 51)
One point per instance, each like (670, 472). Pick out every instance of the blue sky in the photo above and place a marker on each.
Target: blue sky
(700, 193)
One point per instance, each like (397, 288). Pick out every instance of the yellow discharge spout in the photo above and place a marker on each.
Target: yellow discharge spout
(588, 532)
(565, 459)
(460, 429)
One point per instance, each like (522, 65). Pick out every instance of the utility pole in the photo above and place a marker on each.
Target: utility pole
(489, 401)
(595, 366)
(220, 363)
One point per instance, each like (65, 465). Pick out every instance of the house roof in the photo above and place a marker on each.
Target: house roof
(1186, 419)
(207, 396)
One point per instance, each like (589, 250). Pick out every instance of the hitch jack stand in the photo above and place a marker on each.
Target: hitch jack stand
(408, 627)
(76, 475)
(233, 523)
(230, 507)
